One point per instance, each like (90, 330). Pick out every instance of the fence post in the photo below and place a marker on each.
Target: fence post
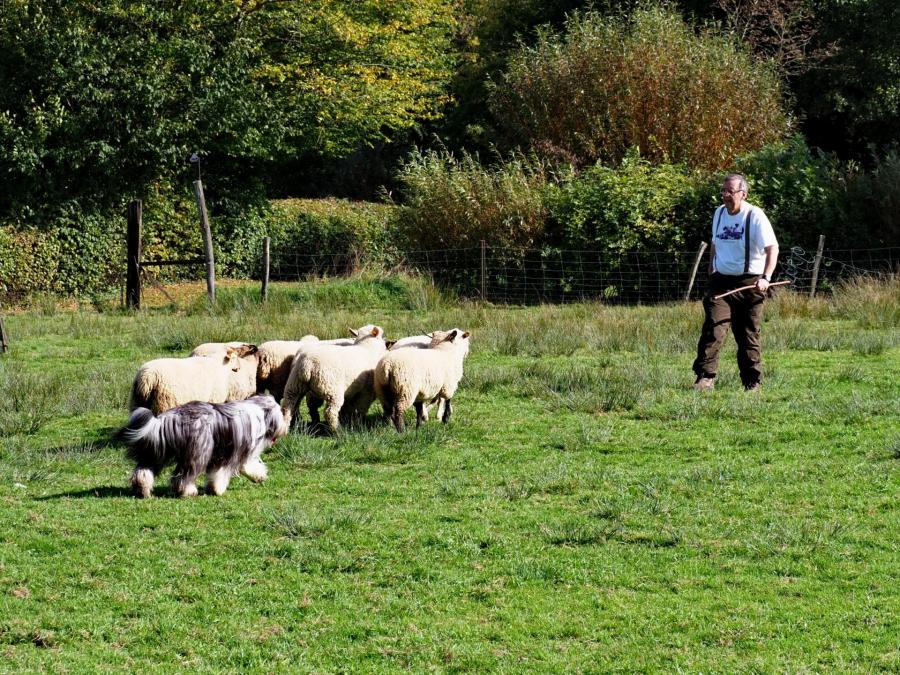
(483, 268)
(816, 263)
(133, 273)
(690, 287)
(4, 338)
(207, 243)
(264, 292)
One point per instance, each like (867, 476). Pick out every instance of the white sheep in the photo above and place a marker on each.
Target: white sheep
(335, 374)
(419, 342)
(276, 357)
(216, 348)
(162, 384)
(414, 377)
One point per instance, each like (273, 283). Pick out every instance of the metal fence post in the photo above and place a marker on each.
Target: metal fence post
(264, 291)
(700, 251)
(816, 263)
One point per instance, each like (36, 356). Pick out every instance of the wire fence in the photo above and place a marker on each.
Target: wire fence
(560, 276)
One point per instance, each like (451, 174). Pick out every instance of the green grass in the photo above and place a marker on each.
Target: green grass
(585, 510)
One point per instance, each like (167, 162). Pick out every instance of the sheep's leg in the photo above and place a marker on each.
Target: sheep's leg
(293, 394)
(440, 400)
(401, 405)
(142, 481)
(312, 405)
(386, 398)
(361, 406)
(217, 480)
(448, 410)
(420, 413)
(332, 413)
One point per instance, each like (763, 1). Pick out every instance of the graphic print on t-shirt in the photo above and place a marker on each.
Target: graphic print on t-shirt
(733, 231)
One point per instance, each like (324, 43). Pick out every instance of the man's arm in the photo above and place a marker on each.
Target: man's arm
(771, 262)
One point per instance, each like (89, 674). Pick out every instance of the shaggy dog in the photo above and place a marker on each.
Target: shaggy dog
(220, 439)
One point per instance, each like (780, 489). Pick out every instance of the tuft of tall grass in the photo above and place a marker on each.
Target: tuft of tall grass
(28, 400)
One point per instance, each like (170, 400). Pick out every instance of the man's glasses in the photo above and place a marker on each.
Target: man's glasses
(725, 193)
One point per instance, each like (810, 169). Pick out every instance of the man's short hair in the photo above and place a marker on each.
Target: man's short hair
(737, 176)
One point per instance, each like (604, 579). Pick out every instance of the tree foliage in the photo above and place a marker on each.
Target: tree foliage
(851, 100)
(608, 84)
(98, 99)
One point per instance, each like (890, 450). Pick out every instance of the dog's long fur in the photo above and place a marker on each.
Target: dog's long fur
(220, 439)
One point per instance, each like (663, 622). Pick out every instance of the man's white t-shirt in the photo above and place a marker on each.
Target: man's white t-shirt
(728, 237)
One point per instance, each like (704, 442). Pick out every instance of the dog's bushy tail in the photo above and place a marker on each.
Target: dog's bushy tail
(142, 436)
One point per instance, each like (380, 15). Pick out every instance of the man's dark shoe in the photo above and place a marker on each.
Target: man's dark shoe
(705, 384)
(756, 386)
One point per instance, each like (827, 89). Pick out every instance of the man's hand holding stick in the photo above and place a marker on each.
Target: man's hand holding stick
(747, 288)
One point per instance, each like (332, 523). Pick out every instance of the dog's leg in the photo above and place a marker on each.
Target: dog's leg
(184, 481)
(142, 481)
(217, 480)
(253, 468)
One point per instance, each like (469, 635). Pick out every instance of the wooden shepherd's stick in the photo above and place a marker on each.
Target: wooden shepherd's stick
(746, 288)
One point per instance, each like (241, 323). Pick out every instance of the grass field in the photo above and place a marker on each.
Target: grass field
(585, 510)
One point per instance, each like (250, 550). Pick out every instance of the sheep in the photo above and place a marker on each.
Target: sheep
(419, 342)
(406, 377)
(335, 374)
(276, 358)
(162, 384)
(216, 348)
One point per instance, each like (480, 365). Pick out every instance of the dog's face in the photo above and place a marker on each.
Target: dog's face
(276, 427)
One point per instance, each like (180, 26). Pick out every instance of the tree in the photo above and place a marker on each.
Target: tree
(851, 100)
(99, 99)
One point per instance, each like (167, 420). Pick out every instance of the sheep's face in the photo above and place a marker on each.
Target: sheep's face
(234, 356)
(366, 332)
(457, 337)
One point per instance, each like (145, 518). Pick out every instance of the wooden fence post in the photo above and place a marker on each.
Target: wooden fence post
(133, 274)
(207, 243)
(4, 338)
(700, 251)
(816, 263)
(483, 268)
(264, 293)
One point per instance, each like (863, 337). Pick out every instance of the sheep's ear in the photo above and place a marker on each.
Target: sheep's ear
(451, 336)
(376, 331)
(389, 343)
(466, 334)
(354, 333)
(247, 350)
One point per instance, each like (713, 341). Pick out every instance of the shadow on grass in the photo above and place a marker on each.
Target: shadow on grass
(102, 492)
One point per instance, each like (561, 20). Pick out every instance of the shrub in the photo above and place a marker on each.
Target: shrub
(28, 261)
(799, 189)
(869, 207)
(354, 232)
(455, 203)
(630, 207)
(651, 81)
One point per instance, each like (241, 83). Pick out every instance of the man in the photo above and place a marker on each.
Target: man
(744, 252)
